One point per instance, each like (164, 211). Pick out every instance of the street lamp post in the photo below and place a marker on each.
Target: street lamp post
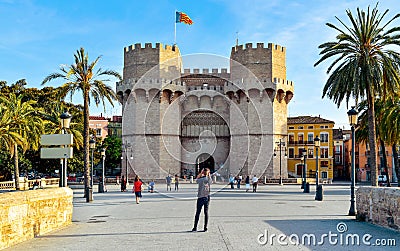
(318, 188)
(304, 158)
(280, 144)
(352, 114)
(126, 147)
(65, 119)
(103, 177)
(92, 146)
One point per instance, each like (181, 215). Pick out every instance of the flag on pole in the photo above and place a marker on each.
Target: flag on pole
(183, 18)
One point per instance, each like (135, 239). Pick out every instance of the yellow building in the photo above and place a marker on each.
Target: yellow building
(301, 133)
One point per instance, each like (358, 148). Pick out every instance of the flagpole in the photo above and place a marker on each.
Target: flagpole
(175, 27)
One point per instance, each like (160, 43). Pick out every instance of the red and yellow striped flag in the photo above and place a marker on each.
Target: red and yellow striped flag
(183, 18)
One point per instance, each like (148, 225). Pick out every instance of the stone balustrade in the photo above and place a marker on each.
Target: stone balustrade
(379, 205)
(27, 214)
(26, 184)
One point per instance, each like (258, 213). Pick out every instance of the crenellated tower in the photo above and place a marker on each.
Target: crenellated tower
(259, 74)
(151, 83)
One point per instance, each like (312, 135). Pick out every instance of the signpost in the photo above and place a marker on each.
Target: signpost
(58, 147)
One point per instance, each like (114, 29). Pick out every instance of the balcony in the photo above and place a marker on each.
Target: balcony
(301, 142)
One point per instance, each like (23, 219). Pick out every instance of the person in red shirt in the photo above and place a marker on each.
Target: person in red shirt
(137, 188)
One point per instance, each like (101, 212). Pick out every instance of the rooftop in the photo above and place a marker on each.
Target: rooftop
(308, 120)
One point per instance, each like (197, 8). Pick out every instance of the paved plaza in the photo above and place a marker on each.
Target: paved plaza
(238, 221)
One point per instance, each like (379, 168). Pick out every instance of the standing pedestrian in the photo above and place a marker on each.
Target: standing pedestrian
(176, 182)
(168, 179)
(203, 197)
(255, 183)
(247, 181)
(231, 181)
(239, 179)
(123, 184)
(137, 188)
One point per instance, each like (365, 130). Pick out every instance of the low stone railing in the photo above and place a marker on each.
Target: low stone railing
(26, 184)
(27, 214)
(379, 205)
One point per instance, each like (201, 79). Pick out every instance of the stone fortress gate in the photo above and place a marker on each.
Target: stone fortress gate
(178, 121)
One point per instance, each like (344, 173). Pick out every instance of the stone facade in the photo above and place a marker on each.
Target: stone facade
(379, 205)
(178, 121)
(25, 215)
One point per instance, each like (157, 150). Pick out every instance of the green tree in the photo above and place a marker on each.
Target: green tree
(23, 125)
(381, 132)
(81, 76)
(113, 145)
(391, 129)
(364, 66)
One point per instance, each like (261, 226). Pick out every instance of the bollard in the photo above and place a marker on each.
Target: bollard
(319, 194)
(191, 179)
(306, 188)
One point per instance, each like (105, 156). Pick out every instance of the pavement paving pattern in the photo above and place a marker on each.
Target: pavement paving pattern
(274, 218)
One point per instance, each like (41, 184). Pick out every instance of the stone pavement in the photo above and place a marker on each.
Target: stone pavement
(238, 221)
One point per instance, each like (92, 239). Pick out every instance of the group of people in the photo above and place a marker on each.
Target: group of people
(169, 180)
(238, 179)
(203, 181)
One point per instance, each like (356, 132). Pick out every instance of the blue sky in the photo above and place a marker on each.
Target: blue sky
(36, 37)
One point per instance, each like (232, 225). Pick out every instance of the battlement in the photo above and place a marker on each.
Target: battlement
(283, 81)
(147, 46)
(258, 46)
(214, 71)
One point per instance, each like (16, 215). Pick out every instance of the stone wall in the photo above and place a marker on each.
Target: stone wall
(25, 215)
(379, 205)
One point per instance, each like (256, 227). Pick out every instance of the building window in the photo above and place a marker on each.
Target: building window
(310, 127)
(300, 138)
(291, 127)
(291, 138)
(300, 127)
(310, 137)
(324, 152)
(310, 153)
(291, 152)
(98, 132)
(337, 159)
(301, 150)
(337, 149)
(324, 175)
(324, 163)
(324, 137)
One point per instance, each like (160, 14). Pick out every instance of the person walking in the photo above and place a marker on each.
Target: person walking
(231, 181)
(255, 183)
(123, 184)
(203, 197)
(168, 179)
(247, 181)
(239, 179)
(176, 182)
(137, 189)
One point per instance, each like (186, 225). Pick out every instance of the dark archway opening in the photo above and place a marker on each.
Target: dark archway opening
(205, 161)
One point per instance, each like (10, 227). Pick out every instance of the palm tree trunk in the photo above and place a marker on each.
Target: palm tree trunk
(16, 168)
(396, 163)
(372, 139)
(384, 162)
(86, 150)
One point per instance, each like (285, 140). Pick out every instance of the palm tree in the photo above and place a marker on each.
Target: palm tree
(81, 76)
(22, 126)
(364, 67)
